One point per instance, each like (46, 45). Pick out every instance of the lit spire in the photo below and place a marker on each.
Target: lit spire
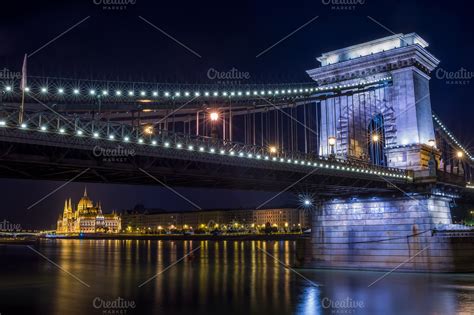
(85, 191)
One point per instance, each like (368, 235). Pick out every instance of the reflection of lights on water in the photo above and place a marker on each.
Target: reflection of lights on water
(309, 301)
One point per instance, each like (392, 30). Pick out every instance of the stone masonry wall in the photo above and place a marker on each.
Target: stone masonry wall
(383, 233)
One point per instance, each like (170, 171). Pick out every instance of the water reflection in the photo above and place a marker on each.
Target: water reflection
(230, 277)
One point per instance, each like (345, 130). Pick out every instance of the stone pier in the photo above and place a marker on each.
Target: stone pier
(383, 233)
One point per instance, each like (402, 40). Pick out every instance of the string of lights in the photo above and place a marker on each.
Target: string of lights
(452, 137)
(105, 92)
(209, 146)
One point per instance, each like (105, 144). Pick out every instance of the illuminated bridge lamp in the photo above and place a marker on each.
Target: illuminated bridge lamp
(332, 143)
(375, 138)
(273, 149)
(214, 116)
(307, 202)
(459, 154)
(149, 130)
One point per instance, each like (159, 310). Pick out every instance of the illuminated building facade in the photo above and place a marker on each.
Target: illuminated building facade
(87, 218)
(284, 218)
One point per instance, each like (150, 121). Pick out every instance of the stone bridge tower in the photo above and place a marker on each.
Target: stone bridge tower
(396, 116)
(390, 124)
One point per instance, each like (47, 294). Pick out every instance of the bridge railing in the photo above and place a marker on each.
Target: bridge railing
(73, 125)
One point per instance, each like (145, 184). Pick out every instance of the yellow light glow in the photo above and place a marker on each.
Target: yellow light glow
(375, 138)
(273, 149)
(459, 154)
(332, 141)
(148, 129)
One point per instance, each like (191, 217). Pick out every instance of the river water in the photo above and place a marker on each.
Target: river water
(218, 277)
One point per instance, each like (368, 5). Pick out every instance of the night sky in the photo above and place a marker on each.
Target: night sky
(118, 45)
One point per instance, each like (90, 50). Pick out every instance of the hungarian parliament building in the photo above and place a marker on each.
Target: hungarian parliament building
(87, 218)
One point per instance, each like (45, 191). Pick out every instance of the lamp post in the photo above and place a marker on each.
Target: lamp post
(432, 162)
(273, 149)
(214, 116)
(332, 143)
(459, 154)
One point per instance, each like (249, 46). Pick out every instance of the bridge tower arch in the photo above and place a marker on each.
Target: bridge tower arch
(404, 102)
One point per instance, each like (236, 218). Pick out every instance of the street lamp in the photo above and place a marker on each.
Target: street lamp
(273, 149)
(214, 116)
(459, 154)
(375, 137)
(148, 129)
(332, 143)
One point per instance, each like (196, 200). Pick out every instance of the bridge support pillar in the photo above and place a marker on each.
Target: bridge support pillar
(383, 233)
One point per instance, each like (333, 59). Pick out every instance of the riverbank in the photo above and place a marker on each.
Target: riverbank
(237, 237)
